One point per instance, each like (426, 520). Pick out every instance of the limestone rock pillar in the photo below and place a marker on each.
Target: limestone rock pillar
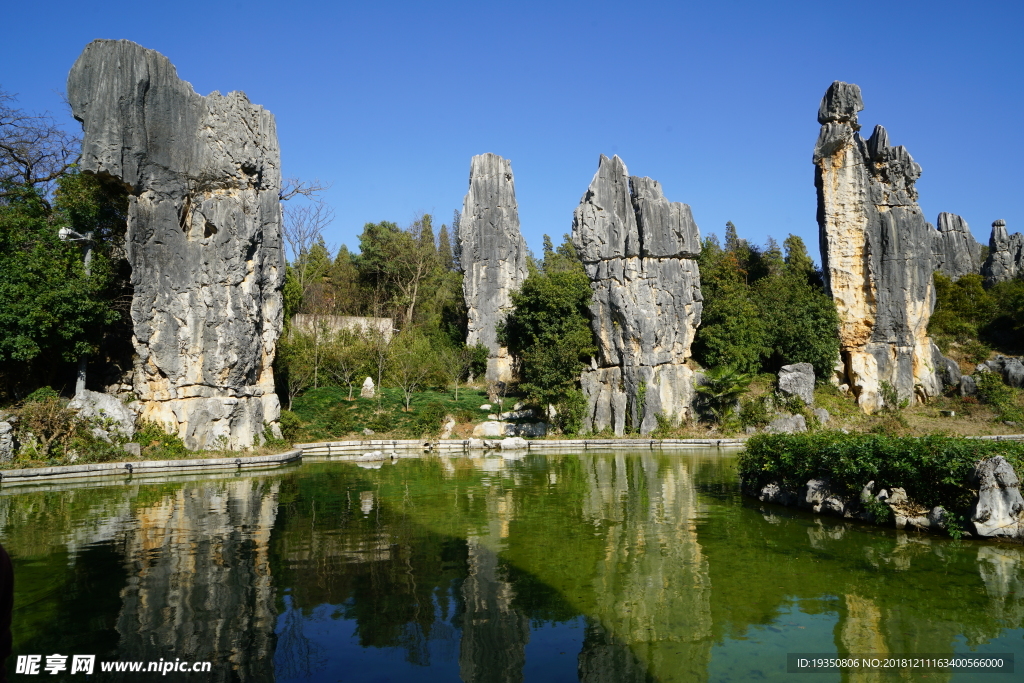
(204, 239)
(638, 249)
(1005, 255)
(493, 256)
(876, 252)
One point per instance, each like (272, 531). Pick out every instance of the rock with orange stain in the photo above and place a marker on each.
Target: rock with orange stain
(878, 254)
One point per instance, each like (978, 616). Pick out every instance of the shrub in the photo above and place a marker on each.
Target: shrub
(46, 425)
(934, 470)
(992, 391)
(156, 442)
(429, 420)
(291, 426)
(719, 390)
(571, 411)
(754, 412)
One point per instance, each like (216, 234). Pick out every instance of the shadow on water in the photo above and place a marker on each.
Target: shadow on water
(600, 567)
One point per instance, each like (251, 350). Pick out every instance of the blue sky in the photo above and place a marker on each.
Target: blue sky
(389, 100)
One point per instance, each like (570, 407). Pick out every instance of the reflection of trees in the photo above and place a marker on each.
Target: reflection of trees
(338, 545)
(894, 592)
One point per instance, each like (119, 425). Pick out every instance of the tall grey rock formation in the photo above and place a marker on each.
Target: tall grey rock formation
(956, 253)
(638, 249)
(1005, 255)
(876, 251)
(204, 238)
(493, 256)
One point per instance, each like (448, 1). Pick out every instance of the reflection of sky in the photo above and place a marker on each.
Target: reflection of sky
(324, 646)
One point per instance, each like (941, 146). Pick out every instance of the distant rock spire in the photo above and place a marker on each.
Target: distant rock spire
(493, 256)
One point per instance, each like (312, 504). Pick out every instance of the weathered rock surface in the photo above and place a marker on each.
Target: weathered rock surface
(998, 510)
(106, 410)
(956, 253)
(787, 424)
(638, 249)
(368, 390)
(203, 242)
(514, 443)
(947, 369)
(493, 256)
(7, 443)
(876, 251)
(1005, 255)
(1011, 369)
(798, 380)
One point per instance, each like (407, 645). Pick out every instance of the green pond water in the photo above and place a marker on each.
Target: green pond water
(613, 567)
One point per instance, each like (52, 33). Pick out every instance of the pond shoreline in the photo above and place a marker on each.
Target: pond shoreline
(344, 450)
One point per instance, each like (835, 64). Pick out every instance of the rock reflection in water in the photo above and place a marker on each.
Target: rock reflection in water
(199, 583)
(609, 567)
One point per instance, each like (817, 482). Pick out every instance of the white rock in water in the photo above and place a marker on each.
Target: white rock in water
(369, 390)
(514, 443)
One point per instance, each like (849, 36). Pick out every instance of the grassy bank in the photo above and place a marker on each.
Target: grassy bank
(934, 470)
(327, 413)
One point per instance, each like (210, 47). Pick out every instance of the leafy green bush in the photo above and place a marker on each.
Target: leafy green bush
(992, 391)
(429, 420)
(754, 412)
(719, 390)
(934, 470)
(156, 442)
(571, 411)
(291, 426)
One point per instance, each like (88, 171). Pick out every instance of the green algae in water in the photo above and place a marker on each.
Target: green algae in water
(613, 567)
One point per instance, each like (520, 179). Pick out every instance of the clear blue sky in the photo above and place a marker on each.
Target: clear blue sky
(388, 101)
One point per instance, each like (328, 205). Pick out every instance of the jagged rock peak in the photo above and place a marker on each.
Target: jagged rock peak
(636, 248)
(494, 255)
(203, 239)
(630, 216)
(956, 251)
(878, 254)
(1005, 254)
(840, 104)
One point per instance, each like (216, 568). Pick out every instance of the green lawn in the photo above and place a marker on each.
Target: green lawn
(326, 413)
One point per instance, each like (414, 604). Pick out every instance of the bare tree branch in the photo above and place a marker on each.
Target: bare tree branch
(293, 187)
(34, 149)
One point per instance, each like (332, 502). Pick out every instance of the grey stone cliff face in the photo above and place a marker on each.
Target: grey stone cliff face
(1005, 255)
(637, 249)
(204, 238)
(493, 256)
(876, 251)
(956, 253)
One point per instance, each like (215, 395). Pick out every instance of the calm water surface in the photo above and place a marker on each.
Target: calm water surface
(614, 567)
